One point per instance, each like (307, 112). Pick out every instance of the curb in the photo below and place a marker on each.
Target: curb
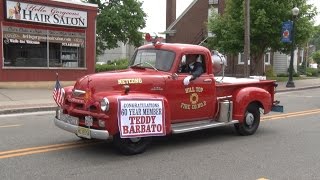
(297, 89)
(27, 110)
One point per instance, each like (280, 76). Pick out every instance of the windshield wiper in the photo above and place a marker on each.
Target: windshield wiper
(135, 65)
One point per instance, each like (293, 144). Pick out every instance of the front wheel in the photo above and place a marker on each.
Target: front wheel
(251, 121)
(131, 146)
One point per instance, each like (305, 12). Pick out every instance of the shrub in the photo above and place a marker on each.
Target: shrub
(295, 74)
(270, 72)
(302, 69)
(312, 72)
(114, 65)
(282, 75)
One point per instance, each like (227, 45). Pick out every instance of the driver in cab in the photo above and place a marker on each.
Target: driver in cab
(191, 65)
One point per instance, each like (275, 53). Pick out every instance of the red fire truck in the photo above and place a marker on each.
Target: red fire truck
(152, 97)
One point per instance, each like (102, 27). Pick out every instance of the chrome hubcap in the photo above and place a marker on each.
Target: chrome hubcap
(249, 119)
(134, 140)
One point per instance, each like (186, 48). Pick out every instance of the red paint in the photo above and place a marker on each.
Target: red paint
(197, 101)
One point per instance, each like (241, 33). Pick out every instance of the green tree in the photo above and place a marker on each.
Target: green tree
(265, 28)
(315, 40)
(118, 20)
(316, 57)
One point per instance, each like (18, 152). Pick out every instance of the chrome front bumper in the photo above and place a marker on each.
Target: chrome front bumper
(65, 125)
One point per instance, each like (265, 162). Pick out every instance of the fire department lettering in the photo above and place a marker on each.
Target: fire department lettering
(194, 99)
(130, 81)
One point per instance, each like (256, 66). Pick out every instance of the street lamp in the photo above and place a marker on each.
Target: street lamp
(290, 83)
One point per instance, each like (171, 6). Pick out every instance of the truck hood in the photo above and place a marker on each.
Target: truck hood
(139, 80)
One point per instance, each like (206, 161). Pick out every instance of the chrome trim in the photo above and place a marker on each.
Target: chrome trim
(224, 97)
(95, 134)
(106, 105)
(207, 80)
(77, 92)
(196, 126)
(156, 89)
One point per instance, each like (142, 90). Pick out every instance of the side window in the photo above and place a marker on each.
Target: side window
(182, 64)
(189, 62)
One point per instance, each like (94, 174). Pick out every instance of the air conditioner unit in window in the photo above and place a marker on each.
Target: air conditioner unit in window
(213, 2)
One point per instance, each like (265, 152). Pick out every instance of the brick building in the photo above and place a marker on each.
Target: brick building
(42, 38)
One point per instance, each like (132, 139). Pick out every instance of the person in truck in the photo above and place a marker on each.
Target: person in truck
(191, 65)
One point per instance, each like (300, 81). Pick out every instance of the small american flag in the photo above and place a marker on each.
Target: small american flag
(58, 94)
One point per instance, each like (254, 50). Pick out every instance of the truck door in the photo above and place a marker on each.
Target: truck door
(195, 101)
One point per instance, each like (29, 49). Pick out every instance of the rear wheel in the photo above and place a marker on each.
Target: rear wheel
(131, 146)
(251, 121)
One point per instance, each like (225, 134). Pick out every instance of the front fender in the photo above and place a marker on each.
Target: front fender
(243, 97)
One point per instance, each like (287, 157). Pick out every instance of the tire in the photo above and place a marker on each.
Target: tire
(251, 121)
(131, 146)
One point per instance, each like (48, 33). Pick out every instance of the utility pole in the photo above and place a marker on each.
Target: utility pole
(246, 38)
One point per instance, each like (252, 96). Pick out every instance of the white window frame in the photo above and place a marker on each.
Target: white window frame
(239, 59)
(268, 62)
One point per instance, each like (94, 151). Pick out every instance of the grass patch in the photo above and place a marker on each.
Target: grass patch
(283, 79)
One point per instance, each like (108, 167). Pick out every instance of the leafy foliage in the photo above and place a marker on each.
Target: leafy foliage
(316, 57)
(270, 72)
(265, 28)
(315, 40)
(312, 72)
(118, 20)
(114, 65)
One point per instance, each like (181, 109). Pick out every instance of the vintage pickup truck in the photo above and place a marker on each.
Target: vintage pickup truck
(149, 99)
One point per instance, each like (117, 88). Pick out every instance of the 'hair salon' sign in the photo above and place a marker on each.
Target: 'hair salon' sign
(45, 14)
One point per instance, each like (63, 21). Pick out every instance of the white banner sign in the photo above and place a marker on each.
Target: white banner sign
(45, 14)
(140, 118)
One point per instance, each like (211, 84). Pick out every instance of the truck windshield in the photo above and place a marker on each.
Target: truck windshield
(153, 58)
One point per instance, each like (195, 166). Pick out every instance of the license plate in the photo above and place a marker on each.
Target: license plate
(88, 120)
(84, 132)
(69, 119)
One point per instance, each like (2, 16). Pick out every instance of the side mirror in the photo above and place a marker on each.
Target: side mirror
(174, 76)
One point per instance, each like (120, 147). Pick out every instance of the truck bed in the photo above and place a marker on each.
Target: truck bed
(226, 86)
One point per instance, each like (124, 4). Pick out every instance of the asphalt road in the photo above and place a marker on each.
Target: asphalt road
(286, 146)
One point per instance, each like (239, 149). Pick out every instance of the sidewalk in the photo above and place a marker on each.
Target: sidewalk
(19, 100)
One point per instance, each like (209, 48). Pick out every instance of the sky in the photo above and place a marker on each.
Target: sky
(156, 13)
(316, 3)
(156, 17)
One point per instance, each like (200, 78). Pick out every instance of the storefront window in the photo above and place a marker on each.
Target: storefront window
(26, 47)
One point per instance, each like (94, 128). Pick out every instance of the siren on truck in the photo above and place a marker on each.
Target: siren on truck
(218, 61)
(155, 41)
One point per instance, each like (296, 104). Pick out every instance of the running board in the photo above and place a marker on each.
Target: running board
(198, 125)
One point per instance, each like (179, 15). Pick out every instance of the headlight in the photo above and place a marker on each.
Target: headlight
(104, 104)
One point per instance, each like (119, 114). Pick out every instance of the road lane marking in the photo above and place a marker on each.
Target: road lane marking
(288, 116)
(47, 150)
(293, 114)
(38, 147)
(42, 149)
(13, 125)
